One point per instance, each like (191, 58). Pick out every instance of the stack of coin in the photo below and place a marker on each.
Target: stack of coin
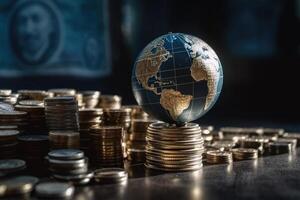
(110, 101)
(5, 92)
(20, 185)
(289, 140)
(90, 98)
(106, 146)
(38, 95)
(255, 143)
(11, 166)
(280, 147)
(62, 92)
(88, 118)
(62, 113)
(54, 190)
(14, 118)
(110, 176)
(36, 122)
(218, 157)
(64, 139)
(136, 140)
(69, 165)
(172, 148)
(33, 149)
(244, 154)
(231, 132)
(137, 112)
(293, 136)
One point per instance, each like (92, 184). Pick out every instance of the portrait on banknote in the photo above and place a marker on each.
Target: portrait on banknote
(50, 37)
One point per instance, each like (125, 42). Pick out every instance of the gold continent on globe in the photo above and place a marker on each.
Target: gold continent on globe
(177, 78)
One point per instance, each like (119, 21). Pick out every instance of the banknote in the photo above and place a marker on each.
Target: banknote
(54, 37)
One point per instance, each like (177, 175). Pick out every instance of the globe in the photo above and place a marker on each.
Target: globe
(177, 78)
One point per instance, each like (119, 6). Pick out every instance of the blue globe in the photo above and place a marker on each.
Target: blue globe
(177, 78)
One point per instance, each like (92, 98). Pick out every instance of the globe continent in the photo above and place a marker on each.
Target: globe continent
(177, 78)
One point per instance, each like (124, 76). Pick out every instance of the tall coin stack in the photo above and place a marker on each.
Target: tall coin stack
(88, 118)
(171, 148)
(106, 146)
(137, 112)
(62, 113)
(36, 122)
(110, 101)
(118, 117)
(33, 149)
(90, 98)
(8, 144)
(136, 140)
(64, 139)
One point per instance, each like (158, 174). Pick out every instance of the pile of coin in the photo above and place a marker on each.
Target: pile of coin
(38, 95)
(293, 136)
(255, 143)
(69, 165)
(62, 113)
(64, 139)
(136, 140)
(33, 149)
(14, 118)
(8, 144)
(117, 117)
(20, 185)
(6, 96)
(36, 122)
(110, 101)
(90, 98)
(88, 118)
(171, 148)
(106, 146)
(244, 154)
(54, 190)
(110, 176)
(280, 147)
(219, 157)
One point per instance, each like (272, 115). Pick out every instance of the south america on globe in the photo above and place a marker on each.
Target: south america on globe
(177, 78)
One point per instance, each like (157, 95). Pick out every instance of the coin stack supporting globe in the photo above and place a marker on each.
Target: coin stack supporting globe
(172, 148)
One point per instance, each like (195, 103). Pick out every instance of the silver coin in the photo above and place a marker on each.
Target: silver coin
(66, 154)
(5, 107)
(54, 190)
(11, 165)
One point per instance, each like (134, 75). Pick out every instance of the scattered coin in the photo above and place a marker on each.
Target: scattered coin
(66, 154)
(280, 147)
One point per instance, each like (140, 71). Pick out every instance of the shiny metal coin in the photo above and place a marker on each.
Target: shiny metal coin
(54, 190)
(66, 154)
(11, 165)
(5, 107)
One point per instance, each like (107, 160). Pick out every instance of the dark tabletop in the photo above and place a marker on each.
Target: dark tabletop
(271, 177)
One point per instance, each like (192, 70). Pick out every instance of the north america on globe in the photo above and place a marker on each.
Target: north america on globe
(177, 78)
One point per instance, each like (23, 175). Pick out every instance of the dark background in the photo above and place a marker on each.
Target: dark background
(257, 42)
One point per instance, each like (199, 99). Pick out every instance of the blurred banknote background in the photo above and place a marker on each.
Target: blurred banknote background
(43, 37)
